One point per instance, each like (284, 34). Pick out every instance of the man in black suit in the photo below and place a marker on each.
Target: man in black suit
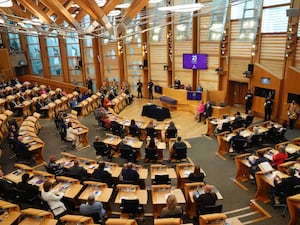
(208, 198)
(13, 106)
(284, 187)
(101, 174)
(150, 89)
(207, 111)
(21, 150)
(77, 171)
(139, 89)
(130, 174)
(248, 99)
(6, 187)
(268, 108)
(29, 192)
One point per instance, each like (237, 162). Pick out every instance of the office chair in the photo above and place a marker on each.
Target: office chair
(151, 154)
(150, 131)
(180, 153)
(283, 204)
(126, 152)
(209, 209)
(171, 134)
(226, 127)
(248, 121)
(162, 179)
(117, 129)
(177, 215)
(102, 149)
(96, 217)
(239, 145)
(134, 131)
(132, 207)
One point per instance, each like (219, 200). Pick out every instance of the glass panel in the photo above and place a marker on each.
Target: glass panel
(275, 2)
(55, 70)
(54, 56)
(52, 41)
(14, 42)
(73, 50)
(32, 40)
(274, 20)
(75, 72)
(37, 67)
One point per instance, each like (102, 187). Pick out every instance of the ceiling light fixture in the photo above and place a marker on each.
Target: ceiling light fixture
(154, 1)
(123, 6)
(6, 3)
(182, 8)
(114, 13)
(101, 3)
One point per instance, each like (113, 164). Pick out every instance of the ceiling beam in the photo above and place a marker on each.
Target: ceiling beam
(61, 11)
(109, 6)
(36, 11)
(18, 10)
(135, 7)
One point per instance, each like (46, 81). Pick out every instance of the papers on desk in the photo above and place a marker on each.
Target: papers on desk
(107, 169)
(36, 181)
(68, 163)
(97, 193)
(27, 138)
(65, 186)
(129, 141)
(92, 166)
(265, 167)
(187, 172)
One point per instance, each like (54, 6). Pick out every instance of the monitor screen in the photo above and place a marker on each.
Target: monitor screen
(158, 89)
(194, 61)
(194, 95)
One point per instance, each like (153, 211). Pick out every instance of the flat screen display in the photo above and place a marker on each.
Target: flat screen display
(194, 95)
(158, 89)
(194, 61)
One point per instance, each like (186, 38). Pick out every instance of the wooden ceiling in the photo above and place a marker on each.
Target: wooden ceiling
(56, 12)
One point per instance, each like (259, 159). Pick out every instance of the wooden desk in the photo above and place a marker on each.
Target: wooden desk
(113, 141)
(9, 217)
(82, 133)
(128, 191)
(219, 111)
(39, 178)
(293, 203)
(113, 168)
(100, 190)
(292, 148)
(171, 150)
(242, 167)
(160, 194)
(72, 186)
(167, 221)
(170, 171)
(264, 182)
(33, 221)
(37, 217)
(112, 221)
(16, 175)
(134, 143)
(75, 219)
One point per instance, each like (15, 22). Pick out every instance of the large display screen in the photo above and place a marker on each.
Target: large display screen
(194, 61)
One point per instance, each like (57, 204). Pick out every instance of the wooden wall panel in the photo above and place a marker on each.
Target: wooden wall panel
(158, 58)
(297, 55)
(158, 54)
(272, 53)
(275, 83)
(238, 65)
(180, 47)
(110, 61)
(239, 47)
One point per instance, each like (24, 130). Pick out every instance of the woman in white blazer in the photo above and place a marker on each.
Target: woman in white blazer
(53, 199)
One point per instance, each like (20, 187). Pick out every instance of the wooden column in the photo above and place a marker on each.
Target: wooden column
(44, 57)
(64, 59)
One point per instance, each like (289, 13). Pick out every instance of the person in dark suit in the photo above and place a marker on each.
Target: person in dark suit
(6, 187)
(177, 83)
(22, 97)
(284, 187)
(208, 198)
(197, 175)
(150, 89)
(268, 108)
(134, 130)
(139, 85)
(254, 162)
(13, 106)
(207, 111)
(129, 173)
(248, 99)
(21, 150)
(101, 174)
(29, 191)
(77, 171)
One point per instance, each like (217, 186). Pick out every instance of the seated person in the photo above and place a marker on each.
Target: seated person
(6, 187)
(55, 168)
(284, 187)
(150, 130)
(208, 198)
(101, 174)
(249, 118)
(152, 144)
(134, 130)
(172, 209)
(73, 103)
(255, 139)
(130, 174)
(77, 171)
(239, 143)
(254, 162)
(197, 175)
(21, 150)
(280, 157)
(238, 121)
(92, 207)
(72, 135)
(53, 199)
(171, 131)
(30, 192)
(14, 108)
(221, 127)
(178, 146)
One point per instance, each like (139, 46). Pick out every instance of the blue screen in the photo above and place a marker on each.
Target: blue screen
(194, 61)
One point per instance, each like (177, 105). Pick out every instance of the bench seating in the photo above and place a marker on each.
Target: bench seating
(168, 100)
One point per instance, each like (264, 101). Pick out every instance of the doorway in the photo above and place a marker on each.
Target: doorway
(237, 92)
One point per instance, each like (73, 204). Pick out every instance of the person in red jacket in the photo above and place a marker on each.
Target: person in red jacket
(280, 156)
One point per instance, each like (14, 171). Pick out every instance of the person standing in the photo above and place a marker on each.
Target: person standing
(199, 111)
(207, 111)
(139, 88)
(150, 89)
(177, 83)
(248, 99)
(292, 113)
(89, 84)
(268, 108)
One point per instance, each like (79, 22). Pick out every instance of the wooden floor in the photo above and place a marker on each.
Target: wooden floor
(184, 121)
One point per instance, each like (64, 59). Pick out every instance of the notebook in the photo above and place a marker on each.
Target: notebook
(265, 167)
